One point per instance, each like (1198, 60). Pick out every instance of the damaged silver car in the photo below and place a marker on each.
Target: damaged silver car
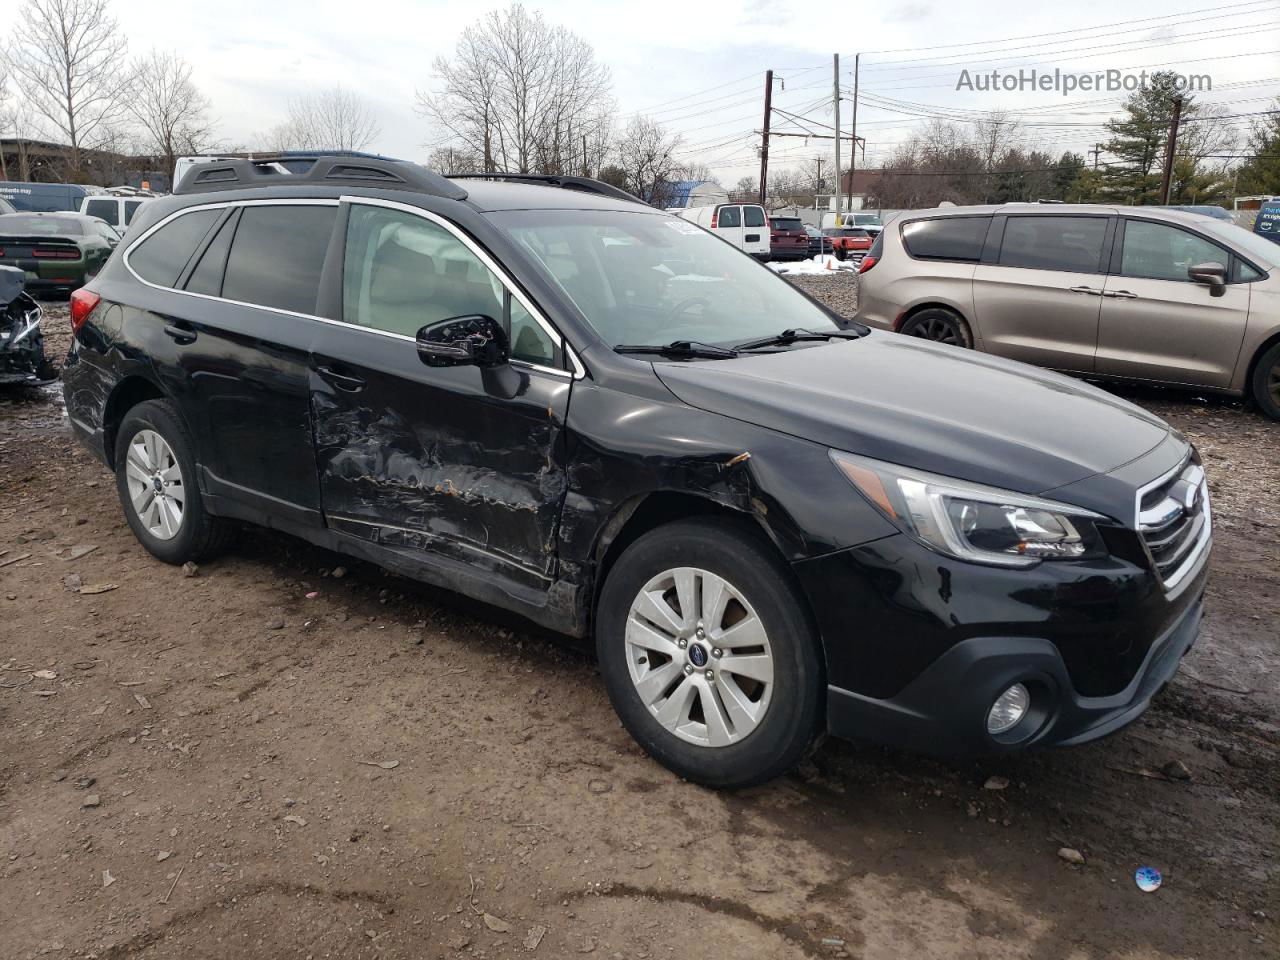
(22, 359)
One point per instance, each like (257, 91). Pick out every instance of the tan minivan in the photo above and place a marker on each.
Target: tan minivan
(1131, 293)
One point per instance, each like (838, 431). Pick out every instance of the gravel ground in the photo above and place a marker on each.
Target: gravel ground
(220, 765)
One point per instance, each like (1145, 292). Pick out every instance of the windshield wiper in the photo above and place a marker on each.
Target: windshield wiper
(787, 337)
(680, 349)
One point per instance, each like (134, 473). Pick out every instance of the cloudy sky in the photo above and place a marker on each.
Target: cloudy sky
(699, 67)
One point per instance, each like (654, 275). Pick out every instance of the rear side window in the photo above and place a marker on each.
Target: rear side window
(207, 276)
(1071, 244)
(277, 255)
(947, 238)
(753, 216)
(159, 259)
(130, 208)
(730, 217)
(108, 210)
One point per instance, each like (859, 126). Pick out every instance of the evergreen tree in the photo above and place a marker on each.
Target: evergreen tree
(1138, 139)
(1260, 174)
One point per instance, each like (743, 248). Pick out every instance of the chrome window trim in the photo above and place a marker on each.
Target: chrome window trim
(578, 372)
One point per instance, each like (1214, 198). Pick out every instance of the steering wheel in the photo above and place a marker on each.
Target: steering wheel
(684, 305)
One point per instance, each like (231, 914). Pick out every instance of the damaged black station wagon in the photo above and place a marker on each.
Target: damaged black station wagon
(545, 395)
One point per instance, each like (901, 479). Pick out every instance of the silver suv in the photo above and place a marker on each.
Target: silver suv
(1130, 293)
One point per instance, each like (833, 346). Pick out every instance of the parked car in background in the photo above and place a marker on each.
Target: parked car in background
(741, 225)
(48, 197)
(117, 211)
(848, 243)
(22, 359)
(869, 222)
(819, 243)
(557, 399)
(787, 239)
(56, 252)
(1128, 293)
(1267, 224)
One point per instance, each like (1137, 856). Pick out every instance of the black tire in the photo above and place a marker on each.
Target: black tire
(1266, 382)
(199, 536)
(792, 718)
(939, 325)
(841, 253)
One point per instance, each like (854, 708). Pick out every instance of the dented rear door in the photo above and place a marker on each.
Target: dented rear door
(459, 462)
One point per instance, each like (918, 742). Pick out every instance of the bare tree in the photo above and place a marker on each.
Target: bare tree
(68, 57)
(455, 160)
(644, 152)
(523, 95)
(334, 119)
(168, 107)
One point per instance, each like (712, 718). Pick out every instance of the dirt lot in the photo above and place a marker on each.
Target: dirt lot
(223, 766)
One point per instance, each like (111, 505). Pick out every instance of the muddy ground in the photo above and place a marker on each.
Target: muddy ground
(216, 766)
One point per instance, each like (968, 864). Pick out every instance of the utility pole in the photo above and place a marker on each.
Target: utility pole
(764, 146)
(853, 129)
(1097, 149)
(835, 102)
(1170, 149)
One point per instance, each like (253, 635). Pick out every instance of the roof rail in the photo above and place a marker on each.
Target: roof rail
(585, 184)
(347, 171)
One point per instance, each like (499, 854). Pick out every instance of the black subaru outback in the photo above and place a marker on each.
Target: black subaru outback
(545, 395)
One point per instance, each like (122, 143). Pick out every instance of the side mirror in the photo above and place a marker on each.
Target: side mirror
(1213, 275)
(474, 340)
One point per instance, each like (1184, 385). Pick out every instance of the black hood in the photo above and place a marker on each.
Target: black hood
(938, 408)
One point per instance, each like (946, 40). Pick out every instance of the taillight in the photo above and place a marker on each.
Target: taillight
(56, 253)
(713, 219)
(868, 263)
(83, 303)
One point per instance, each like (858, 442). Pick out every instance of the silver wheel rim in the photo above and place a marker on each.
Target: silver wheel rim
(699, 657)
(155, 484)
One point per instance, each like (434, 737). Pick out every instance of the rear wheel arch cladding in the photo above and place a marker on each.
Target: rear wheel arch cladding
(126, 395)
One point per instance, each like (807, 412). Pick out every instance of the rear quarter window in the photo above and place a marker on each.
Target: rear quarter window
(160, 258)
(946, 238)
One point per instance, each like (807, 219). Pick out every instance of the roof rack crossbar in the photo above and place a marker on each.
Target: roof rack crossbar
(325, 168)
(585, 184)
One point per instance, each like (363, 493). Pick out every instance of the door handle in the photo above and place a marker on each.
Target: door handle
(343, 381)
(1089, 290)
(179, 333)
(1121, 295)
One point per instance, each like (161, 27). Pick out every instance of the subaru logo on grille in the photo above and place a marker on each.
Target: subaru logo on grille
(698, 655)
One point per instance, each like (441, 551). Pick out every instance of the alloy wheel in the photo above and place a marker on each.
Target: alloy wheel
(1273, 383)
(699, 657)
(155, 484)
(939, 330)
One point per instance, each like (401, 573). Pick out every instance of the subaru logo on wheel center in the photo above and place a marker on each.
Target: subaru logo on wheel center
(697, 655)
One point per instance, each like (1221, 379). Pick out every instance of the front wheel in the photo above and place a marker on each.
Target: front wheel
(1266, 383)
(156, 481)
(707, 654)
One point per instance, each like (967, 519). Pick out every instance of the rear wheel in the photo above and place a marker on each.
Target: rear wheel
(707, 655)
(939, 325)
(1266, 382)
(156, 481)
(842, 253)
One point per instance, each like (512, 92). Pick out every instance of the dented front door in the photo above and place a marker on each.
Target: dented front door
(457, 461)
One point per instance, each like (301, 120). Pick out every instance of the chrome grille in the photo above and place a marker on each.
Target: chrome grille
(1174, 520)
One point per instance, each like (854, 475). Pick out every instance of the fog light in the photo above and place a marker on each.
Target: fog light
(1008, 710)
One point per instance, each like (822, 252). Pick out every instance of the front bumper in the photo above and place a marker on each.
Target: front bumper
(943, 711)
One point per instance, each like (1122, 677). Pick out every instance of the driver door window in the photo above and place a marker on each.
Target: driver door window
(1160, 252)
(403, 272)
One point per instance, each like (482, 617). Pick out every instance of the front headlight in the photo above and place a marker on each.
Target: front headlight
(971, 522)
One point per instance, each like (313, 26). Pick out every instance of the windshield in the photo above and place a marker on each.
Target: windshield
(1250, 244)
(866, 220)
(642, 278)
(19, 224)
